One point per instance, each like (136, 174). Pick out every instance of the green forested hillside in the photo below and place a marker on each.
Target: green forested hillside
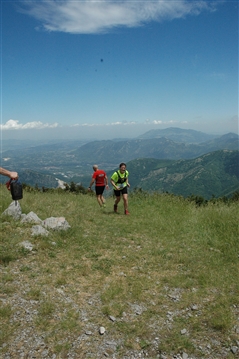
(213, 174)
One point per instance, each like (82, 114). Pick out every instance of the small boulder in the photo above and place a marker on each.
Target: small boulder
(38, 230)
(31, 217)
(56, 223)
(102, 330)
(14, 210)
(27, 245)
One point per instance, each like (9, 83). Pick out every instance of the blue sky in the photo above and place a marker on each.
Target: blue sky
(106, 69)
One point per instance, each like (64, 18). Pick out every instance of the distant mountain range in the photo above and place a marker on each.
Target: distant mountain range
(161, 148)
(178, 135)
(174, 160)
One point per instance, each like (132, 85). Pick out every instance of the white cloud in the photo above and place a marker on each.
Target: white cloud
(15, 125)
(128, 123)
(118, 123)
(90, 16)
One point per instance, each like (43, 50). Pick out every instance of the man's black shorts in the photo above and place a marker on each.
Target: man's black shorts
(122, 191)
(99, 190)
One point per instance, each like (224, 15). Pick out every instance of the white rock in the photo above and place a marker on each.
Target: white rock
(27, 245)
(39, 230)
(31, 217)
(56, 223)
(102, 330)
(183, 331)
(14, 210)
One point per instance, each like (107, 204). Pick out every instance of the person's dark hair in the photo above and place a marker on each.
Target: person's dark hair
(122, 164)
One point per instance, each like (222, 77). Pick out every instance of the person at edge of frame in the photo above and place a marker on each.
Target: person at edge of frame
(10, 174)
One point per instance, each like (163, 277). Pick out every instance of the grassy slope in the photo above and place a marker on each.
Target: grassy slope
(165, 257)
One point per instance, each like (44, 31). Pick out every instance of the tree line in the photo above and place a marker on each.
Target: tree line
(79, 189)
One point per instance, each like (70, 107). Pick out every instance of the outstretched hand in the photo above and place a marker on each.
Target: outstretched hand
(13, 175)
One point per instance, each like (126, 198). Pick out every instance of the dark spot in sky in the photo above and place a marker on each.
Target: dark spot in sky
(101, 60)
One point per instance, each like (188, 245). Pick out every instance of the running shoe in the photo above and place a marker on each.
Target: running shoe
(115, 208)
(126, 211)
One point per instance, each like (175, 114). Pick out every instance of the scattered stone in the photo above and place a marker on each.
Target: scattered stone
(31, 217)
(175, 298)
(234, 349)
(113, 319)
(194, 307)
(183, 331)
(56, 223)
(102, 330)
(215, 342)
(88, 332)
(14, 210)
(185, 356)
(39, 230)
(27, 245)
(60, 291)
(138, 309)
(122, 274)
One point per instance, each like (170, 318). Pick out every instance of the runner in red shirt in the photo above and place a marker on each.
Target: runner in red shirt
(100, 179)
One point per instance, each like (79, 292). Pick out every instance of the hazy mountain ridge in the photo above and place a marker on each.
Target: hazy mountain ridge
(111, 152)
(161, 148)
(230, 141)
(179, 135)
(37, 148)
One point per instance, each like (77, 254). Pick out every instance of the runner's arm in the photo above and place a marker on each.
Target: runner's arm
(91, 183)
(112, 181)
(10, 174)
(127, 180)
(106, 181)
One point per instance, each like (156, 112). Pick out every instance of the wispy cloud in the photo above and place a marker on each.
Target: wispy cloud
(129, 123)
(90, 16)
(118, 123)
(15, 125)
(218, 76)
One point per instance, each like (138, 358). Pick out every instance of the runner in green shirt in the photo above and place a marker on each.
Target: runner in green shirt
(119, 181)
